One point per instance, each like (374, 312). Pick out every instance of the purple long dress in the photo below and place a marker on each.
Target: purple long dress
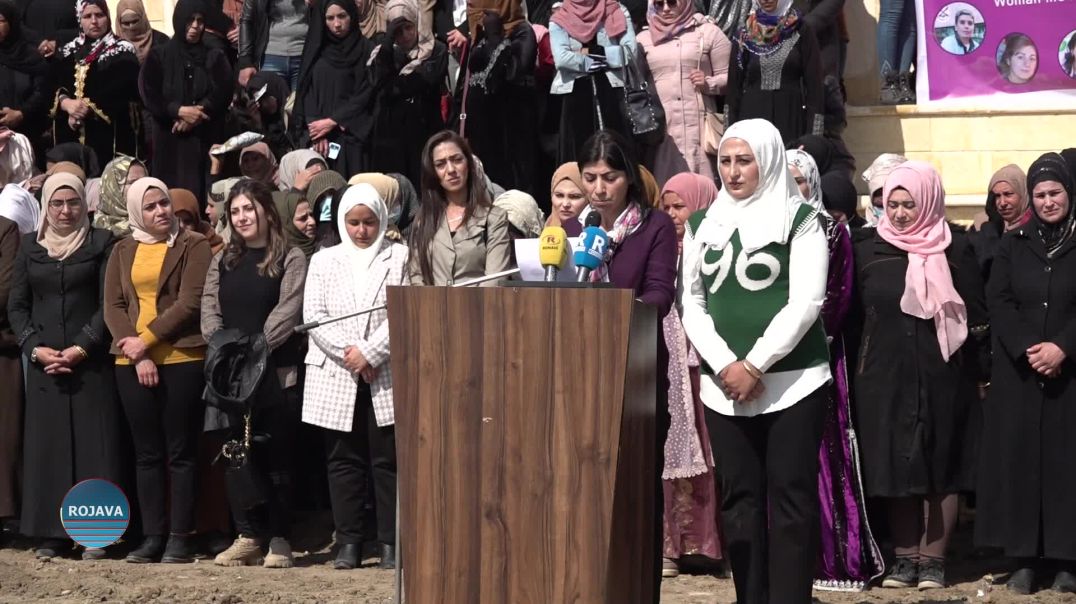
(849, 557)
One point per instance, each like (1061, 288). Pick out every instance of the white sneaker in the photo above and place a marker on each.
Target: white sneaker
(279, 555)
(243, 552)
(669, 568)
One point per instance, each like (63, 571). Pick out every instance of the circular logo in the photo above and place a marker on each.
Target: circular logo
(95, 513)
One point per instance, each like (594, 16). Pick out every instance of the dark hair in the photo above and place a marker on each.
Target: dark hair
(1012, 42)
(613, 149)
(965, 11)
(1070, 56)
(434, 202)
(276, 247)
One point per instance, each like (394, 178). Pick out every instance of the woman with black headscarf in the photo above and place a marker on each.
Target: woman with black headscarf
(1027, 482)
(187, 87)
(23, 96)
(334, 101)
(97, 80)
(410, 72)
(49, 24)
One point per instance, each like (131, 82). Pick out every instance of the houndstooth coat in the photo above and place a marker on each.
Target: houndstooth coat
(330, 390)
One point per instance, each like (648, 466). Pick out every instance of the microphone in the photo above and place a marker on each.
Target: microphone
(590, 252)
(553, 251)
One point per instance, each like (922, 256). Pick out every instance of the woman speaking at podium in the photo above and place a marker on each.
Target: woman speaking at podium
(755, 266)
(641, 257)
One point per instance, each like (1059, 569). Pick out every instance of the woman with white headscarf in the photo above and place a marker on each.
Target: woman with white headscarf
(73, 422)
(775, 72)
(348, 389)
(849, 556)
(153, 296)
(754, 281)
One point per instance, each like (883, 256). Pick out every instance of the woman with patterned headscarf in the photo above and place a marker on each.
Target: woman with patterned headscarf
(775, 72)
(409, 71)
(97, 87)
(110, 211)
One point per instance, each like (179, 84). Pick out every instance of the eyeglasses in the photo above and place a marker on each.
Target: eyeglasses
(660, 4)
(58, 204)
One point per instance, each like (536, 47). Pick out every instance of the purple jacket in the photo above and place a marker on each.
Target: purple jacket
(646, 261)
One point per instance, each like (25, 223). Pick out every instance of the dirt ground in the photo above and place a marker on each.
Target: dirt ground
(26, 579)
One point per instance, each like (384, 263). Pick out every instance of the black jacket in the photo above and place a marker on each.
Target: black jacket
(253, 33)
(916, 412)
(1027, 481)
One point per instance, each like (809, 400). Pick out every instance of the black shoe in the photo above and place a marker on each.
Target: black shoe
(388, 557)
(1065, 582)
(1022, 581)
(906, 88)
(215, 543)
(905, 573)
(148, 552)
(52, 548)
(180, 550)
(348, 556)
(890, 94)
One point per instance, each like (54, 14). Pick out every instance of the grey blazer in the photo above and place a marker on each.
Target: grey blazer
(478, 248)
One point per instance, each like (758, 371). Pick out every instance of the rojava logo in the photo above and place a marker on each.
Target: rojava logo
(95, 513)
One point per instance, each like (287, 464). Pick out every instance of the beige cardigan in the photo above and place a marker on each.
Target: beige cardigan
(478, 248)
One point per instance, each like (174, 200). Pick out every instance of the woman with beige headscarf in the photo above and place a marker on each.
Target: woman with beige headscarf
(153, 295)
(73, 422)
(132, 24)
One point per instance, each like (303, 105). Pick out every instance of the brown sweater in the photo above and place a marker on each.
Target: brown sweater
(179, 292)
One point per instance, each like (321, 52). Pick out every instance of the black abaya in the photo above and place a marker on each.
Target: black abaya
(179, 74)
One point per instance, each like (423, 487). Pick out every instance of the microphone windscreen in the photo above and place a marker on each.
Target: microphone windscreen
(593, 219)
(553, 247)
(591, 248)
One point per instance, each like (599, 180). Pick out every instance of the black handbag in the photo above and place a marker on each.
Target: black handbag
(642, 107)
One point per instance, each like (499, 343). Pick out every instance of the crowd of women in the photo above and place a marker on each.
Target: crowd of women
(826, 380)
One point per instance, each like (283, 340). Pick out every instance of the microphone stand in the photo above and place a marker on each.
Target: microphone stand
(305, 327)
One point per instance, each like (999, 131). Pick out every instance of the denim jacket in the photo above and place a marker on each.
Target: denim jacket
(572, 65)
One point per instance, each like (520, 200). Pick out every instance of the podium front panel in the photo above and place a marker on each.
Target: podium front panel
(525, 444)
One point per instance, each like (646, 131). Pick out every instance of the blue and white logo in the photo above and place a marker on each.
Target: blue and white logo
(95, 513)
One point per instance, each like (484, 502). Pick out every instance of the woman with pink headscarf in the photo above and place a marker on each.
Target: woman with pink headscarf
(690, 520)
(689, 60)
(924, 346)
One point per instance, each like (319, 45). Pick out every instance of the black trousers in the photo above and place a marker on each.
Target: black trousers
(368, 448)
(261, 493)
(767, 466)
(166, 423)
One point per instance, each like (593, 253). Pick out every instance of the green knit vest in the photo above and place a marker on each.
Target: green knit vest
(745, 291)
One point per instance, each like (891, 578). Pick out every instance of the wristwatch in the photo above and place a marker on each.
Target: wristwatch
(33, 355)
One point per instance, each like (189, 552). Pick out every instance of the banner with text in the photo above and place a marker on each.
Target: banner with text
(1008, 49)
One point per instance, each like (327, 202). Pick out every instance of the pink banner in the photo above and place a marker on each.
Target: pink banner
(989, 47)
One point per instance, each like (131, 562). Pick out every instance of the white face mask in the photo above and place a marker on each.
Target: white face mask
(877, 212)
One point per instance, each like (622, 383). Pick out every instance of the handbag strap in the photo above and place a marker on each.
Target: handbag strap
(466, 65)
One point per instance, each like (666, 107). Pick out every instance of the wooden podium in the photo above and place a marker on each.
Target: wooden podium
(525, 444)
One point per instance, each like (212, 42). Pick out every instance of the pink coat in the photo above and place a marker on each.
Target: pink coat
(671, 64)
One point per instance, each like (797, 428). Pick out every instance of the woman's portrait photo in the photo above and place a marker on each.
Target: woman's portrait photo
(1017, 58)
(1066, 54)
(959, 28)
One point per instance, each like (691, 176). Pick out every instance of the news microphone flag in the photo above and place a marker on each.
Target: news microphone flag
(590, 252)
(553, 251)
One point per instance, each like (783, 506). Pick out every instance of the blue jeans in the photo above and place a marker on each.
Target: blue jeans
(288, 67)
(896, 36)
